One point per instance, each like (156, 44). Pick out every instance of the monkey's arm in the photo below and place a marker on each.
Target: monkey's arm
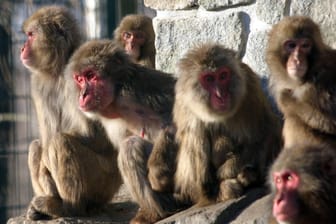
(162, 161)
(305, 106)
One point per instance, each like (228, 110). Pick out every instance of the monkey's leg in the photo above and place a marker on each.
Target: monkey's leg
(162, 162)
(76, 170)
(34, 163)
(41, 180)
(132, 160)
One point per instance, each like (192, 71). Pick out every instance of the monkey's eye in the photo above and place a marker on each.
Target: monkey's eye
(30, 33)
(126, 35)
(224, 73)
(90, 75)
(306, 45)
(290, 45)
(209, 78)
(288, 177)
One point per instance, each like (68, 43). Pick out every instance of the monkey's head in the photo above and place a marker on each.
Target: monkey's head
(294, 43)
(210, 82)
(95, 70)
(52, 36)
(136, 34)
(303, 181)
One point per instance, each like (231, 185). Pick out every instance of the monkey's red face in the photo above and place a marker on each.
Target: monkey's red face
(26, 51)
(96, 94)
(133, 41)
(298, 51)
(217, 84)
(285, 204)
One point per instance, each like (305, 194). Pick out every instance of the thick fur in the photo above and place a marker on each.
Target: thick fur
(73, 153)
(136, 88)
(315, 195)
(308, 104)
(141, 23)
(220, 154)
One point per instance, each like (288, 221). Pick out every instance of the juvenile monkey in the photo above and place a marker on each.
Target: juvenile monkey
(302, 81)
(73, 165)
(134, 104)
(136, 35)
(303, 183)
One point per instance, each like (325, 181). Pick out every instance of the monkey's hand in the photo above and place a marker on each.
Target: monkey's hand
(248, 175)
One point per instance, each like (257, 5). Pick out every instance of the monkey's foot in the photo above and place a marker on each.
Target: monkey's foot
(230, 189)
(145, 216)
(33, 214)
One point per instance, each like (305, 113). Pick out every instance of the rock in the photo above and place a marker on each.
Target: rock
(253, 207)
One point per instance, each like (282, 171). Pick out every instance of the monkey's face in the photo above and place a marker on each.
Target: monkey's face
(96, 94)
(27, 56)
(297, 53)
(303, 182)
(216, 83)
(133, 41)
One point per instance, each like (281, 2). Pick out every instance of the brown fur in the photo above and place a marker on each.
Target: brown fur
(219, 154)
(314, 199)
(308, 104)
(135, 88)
(141, 23)
(73, 153)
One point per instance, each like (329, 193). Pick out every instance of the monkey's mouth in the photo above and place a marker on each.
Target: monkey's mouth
(282, 211)
(221, 102)
(84, 101)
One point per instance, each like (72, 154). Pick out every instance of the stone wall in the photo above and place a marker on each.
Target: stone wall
(238, 24)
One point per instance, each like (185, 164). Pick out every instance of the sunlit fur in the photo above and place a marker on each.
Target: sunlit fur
(308, 105)
(143, 23)
(206, 137)
(144, 100)
(73, 152)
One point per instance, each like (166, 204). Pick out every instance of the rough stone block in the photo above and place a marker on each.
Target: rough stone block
(271, 11)
(222, 4)
(170, 4)
(255, 52)
(176, 35)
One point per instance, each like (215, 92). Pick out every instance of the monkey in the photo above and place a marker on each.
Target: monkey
(302, 181)
(136, 35)
(301, 79)
(134, 104)
(226, 133)
(73, 153)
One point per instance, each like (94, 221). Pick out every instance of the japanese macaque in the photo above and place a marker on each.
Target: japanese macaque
(303, 181)
(73, 165)
(226, 133)
(134, 104)
(302, 80)
(136, 35)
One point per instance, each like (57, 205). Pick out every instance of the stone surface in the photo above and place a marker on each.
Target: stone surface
(170, 4)
(120, 213)
(271, 12)
(255, 52)
(222, 4)
(250, 208)
(176, 35)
